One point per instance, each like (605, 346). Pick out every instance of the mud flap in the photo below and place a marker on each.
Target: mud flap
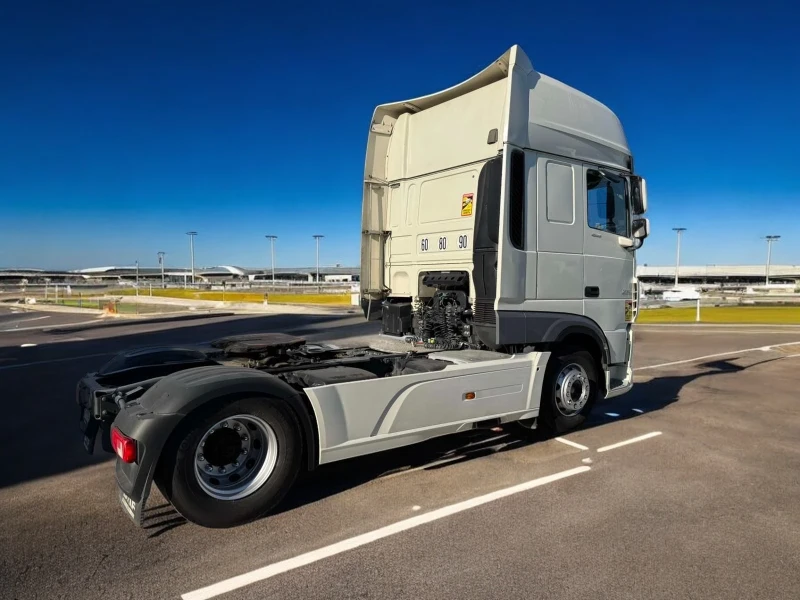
(135, 510)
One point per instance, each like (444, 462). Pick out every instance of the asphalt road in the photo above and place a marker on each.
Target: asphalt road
(707, 508)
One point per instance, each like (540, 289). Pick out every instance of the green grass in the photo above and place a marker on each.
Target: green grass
(723, 314)
(278, 298)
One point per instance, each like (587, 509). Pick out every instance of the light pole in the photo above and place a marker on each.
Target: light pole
(191, 235)
(680, 231)
(770, 240)
(272, 239)
(161, 264)
(137, 277)
(318, 238)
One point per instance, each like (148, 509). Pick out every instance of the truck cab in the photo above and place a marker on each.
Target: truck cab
(504, 213)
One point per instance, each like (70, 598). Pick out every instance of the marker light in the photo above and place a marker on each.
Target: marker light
(124, 446)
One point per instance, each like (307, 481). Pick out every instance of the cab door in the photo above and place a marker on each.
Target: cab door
(608, 256)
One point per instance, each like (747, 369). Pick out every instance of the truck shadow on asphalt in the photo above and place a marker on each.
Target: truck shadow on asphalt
(330, 480)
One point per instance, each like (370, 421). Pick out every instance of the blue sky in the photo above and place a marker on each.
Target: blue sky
(125, 124)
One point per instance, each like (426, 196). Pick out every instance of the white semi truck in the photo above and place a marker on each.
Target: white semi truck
(500, 223)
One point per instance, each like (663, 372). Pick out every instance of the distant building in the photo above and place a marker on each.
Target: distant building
(727, 276)
(123, 275)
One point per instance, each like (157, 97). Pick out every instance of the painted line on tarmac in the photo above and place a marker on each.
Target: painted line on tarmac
(701, 325)
(646, 436)
(719, 355)
(308, 558)
(40, 327)
(55, 360)
(571, 443)
(707, 330)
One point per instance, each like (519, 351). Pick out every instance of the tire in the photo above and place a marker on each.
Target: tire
(557, 413)
(227, 481)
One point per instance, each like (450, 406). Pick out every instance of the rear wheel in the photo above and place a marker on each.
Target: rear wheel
(233, 464)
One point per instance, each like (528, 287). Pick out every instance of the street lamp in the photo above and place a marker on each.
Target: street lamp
(770, 240)
(161, 264)
(191, 235)
(318, 237)
(137, 277)
(680, 231)
(272, 239)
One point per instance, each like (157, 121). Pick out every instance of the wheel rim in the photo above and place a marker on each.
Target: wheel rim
(572, 390)
(235, 457)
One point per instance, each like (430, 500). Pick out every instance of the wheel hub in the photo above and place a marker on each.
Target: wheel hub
(235, 457)
(572, 390)
(222, 447)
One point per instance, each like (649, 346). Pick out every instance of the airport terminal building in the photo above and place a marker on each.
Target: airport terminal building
(725, 276)
(650, 276)
(176, 276)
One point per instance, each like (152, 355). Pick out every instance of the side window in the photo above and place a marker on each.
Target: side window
(607, 196)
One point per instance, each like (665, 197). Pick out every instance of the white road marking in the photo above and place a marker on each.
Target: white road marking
(40, 327)
(588, 461)
(32, 319)
(646, 436)
(736, 331)
(637, 410)
(571, 443)
(719, 355)
(717, 325)
(54, 360)
(27, 345)
(415, 507)
(615, 415)
(308, 558)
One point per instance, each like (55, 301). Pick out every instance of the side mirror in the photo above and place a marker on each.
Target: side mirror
(638, 195)
(640, 228)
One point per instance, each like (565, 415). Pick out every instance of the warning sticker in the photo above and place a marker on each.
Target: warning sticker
(466, 205)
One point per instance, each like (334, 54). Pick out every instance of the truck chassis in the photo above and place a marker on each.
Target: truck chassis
(224, 429)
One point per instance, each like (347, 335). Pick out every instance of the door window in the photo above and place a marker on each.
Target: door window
(607, 197)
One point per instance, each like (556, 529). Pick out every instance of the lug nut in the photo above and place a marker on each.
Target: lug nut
(222, 469)
(209, 468)
(244, 438)
(237, 428)
(244, 451)
(236, 464)
(224, 424)
(201, 457)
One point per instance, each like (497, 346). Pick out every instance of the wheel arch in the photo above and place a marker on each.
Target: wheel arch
(162, 411)
(208, 387)
(582, 336)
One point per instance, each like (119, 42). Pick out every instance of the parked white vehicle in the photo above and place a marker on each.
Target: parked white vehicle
(679, 294)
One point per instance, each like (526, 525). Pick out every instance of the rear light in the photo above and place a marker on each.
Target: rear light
(124, 446)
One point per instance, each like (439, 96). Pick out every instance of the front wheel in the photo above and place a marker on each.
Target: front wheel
(233, 464)
(570, 390)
